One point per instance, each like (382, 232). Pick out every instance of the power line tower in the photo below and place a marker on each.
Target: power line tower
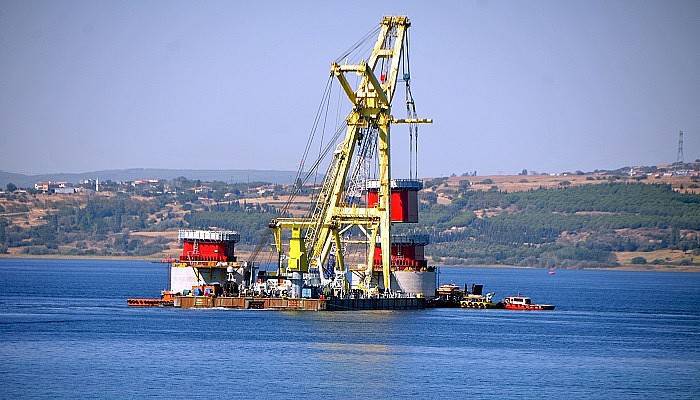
(679, 158)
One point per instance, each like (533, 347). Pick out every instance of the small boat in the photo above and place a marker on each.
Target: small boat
(524, 303)
(552, 271)
(167, 260)
(479, 301)
(141, 302)
(167, 299)
(447, 296)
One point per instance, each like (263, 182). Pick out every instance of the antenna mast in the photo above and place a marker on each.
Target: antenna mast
(679, 158)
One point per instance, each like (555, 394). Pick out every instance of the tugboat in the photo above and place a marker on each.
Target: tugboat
(524, 303)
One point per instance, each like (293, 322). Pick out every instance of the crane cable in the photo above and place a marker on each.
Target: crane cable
(298, 182)
(297, 187)
(357, 44)
(411, 112)
(302, 181)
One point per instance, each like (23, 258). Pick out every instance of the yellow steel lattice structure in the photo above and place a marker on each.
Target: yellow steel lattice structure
(371, 108)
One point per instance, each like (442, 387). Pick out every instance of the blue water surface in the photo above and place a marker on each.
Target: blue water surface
(66, 332)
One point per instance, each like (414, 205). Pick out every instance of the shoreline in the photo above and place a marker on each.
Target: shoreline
(68, 257)
(623, 268)
(649, 268)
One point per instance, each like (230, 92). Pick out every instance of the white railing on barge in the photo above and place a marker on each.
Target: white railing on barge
(216, 236)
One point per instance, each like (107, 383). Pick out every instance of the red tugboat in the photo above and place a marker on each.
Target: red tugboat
(524, 303)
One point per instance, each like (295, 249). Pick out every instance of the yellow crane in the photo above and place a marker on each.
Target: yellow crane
(313, 238)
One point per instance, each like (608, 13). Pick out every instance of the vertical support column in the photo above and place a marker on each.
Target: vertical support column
(339, 260)
(369, 271)
(384, 155)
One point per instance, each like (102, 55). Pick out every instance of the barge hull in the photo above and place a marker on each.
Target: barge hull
(409, 303)
(283, 304)
(250, 303)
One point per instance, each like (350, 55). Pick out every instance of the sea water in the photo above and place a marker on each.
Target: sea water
(66, 332)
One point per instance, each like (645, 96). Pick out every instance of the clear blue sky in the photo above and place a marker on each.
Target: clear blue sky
(542, 85)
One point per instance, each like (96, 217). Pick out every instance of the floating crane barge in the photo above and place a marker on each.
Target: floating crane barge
(343, 255)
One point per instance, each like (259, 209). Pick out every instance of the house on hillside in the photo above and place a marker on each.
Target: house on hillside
(54, 187)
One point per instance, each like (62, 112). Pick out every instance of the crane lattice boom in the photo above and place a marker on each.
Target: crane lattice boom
(370, 117)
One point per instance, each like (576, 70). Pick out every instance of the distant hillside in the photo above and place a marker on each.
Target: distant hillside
(583, 223)
(574, 225)
(229, 175)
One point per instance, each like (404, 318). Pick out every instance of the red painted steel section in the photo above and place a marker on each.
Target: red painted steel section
(403, 256)
(193, 250)
(404, 204)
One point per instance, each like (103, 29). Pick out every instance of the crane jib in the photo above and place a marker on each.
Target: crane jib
(318, 240)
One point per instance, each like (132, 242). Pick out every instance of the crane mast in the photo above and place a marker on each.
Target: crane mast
(313, 238)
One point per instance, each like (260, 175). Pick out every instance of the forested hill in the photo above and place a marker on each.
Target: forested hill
(582, 225)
